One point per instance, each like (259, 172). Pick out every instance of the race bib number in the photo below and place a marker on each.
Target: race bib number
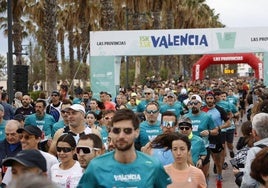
(212, 146)
(195, 128)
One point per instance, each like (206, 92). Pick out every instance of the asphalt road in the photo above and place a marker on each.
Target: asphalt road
(228, 177)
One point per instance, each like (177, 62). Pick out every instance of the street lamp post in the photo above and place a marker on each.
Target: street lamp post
(9, 54)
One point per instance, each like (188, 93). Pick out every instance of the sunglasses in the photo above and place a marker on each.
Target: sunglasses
(147, 93)
(54, 95)
(116, 130)
(194, 103)
(64, 149)
(85, 149)
(26, 137)
(168, 123)
(184, 128)
(151, 111)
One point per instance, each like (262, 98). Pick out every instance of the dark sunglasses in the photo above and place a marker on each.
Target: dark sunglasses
(168, 123)
(26, 137)
(147, 93)
(64, 149)
(194, 103)
(151, 111)
(85, 149)
(184, 128)
(54, 95)
(116, 130)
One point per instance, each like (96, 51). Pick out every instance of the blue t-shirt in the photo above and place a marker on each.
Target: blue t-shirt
(164, 156)
(105, 171)
(148, 132)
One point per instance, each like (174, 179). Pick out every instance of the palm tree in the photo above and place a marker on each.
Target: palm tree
(50, 10)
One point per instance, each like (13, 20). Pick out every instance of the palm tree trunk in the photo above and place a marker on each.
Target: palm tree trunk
(50, 45)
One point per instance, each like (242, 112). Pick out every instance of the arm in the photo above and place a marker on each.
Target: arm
(52, 148)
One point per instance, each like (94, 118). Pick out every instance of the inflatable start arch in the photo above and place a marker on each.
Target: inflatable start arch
(206, 60)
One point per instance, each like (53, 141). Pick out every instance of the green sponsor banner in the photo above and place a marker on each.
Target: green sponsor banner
(104, 74)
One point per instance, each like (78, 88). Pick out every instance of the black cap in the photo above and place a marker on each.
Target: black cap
(55, 93)
(28, 158)
(19, 117)
(31, 129)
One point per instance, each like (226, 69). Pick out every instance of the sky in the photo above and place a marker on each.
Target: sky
(232, 13)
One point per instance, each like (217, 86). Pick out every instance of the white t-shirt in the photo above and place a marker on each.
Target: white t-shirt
(50, 159)
(66, 178)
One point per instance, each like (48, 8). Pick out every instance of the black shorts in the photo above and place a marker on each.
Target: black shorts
(230, 135)
(215, 143)
(223, 137)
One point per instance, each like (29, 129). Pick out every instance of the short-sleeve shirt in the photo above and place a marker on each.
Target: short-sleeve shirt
(105, 171)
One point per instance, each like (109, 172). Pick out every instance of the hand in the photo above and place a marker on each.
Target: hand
(199, 163)
(204, 133)
(235, 171)
(147, 148)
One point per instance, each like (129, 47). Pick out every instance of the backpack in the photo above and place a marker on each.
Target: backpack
(242, 159)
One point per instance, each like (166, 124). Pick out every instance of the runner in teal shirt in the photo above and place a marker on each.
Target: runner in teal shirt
(124, 167)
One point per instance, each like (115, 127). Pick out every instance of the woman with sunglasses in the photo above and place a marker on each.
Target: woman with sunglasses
(198, 149)
(68, 172)
(182, 173)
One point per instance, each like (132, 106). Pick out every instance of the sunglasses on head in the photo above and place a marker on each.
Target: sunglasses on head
(116, 130)
(184, 128)
(85, 149)
(151, 111)
(168, 123)
(64, 149)
(193, 103)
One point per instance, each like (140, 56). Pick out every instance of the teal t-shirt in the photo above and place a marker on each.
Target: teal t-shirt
(45, 123)
(2, 129)
(148, 132)
(176, 108)
(201, 122)
(105, 171)
(197, 148)
(57, 126)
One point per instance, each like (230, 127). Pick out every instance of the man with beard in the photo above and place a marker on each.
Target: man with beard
(26, 108)
(43, 121)
(168, 125)
(202, 125)
(88, 147)
(150, 128)
(216, 144)
(124, 167)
